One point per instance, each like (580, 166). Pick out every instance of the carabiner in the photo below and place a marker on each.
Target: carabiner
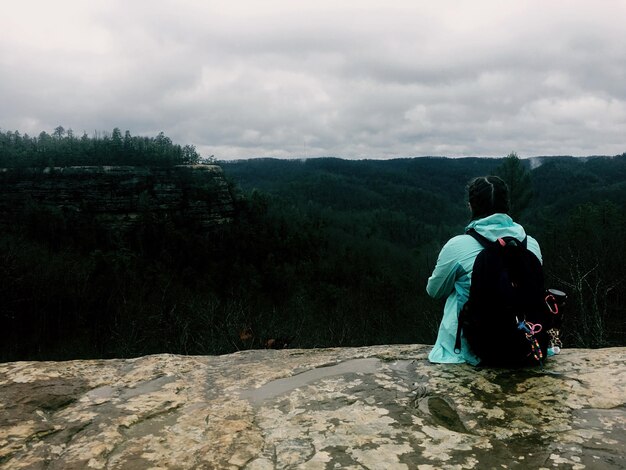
(554, 308)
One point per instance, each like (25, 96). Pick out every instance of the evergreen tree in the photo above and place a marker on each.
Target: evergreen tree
(59, 132)
(517, 178)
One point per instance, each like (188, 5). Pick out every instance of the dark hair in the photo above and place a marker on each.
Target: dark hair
(488, 195)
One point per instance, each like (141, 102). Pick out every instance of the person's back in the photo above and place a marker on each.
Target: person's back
(451, 278)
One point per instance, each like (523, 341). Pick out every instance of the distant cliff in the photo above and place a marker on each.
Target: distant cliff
(117, 195)
(380, 407)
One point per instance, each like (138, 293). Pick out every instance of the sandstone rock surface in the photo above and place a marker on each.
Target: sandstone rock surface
(381, 407)
(116, 195)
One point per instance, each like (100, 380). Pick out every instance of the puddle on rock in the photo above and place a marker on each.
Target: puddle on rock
(145, 388)
(277, 387)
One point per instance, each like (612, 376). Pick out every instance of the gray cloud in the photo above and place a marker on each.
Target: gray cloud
(288, 79)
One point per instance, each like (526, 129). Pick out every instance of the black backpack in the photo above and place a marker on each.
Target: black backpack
(505, 320)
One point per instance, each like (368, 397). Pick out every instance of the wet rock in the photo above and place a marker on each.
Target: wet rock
(374, 407)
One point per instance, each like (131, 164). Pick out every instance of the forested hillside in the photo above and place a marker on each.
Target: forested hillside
(321, 252)
(574, 206)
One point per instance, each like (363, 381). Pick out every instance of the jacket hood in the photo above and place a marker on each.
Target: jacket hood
(497, 226)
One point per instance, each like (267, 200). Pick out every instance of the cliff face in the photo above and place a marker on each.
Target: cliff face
(379, 407)
(117, 195)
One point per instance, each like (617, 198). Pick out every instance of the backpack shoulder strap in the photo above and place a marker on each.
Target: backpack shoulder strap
(485, 242)
(525, 242)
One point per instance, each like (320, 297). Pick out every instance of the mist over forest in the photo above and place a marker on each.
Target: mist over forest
(320, 252)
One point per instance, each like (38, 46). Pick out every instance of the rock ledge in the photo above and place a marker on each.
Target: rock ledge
(382, 407)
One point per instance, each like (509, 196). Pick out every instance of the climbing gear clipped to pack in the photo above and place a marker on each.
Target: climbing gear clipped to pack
(507, 316)
(555, 301)
(530, 330)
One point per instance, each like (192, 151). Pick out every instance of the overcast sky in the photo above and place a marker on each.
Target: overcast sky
(294, 78)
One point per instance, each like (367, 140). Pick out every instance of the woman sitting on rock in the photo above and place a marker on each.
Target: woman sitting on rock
(489, 204)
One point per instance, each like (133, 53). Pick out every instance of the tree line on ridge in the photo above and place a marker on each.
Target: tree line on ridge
(321, 252)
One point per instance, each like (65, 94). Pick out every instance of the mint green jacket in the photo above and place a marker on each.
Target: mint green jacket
(452, 277)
